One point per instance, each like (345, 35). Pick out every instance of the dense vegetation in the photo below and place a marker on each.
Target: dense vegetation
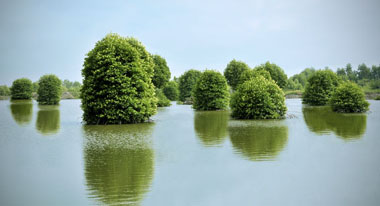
(348, 98)
(211, 92)
(4, 90)
(258, 98)
(171, 91)
(319, 87)
(276, 73)
(187, 82)
(72, 87)
(49, 90)
(233, 72)
(162, 100)
(161, 72)
(253, 73)
(117, 86)
(22, 89)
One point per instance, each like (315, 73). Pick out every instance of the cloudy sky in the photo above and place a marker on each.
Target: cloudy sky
(41, 37)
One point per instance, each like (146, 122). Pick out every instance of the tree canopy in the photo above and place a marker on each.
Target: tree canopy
(161, 71)
(234, 71)
(22, 89)
(348, 98)
(187, 82)
(49, 90)
(276, 73)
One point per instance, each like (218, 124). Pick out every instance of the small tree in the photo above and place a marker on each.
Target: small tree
(348, 98)
(161, 71)
(233, 72)
(211, 92)
(171, 91)
(277, 74)
(258, 98)
(22, 89)
(162, 100)
(187, 82)
(319, 87)
(49, 90)
(4, 90)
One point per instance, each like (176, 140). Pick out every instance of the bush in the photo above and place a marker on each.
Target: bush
(163, 101)
(117, 86)
(319, 87)
(4, 90)
(233, 72)
(171, 91)
(49, 90)
(187, 82)
(211, 92)
(21, 89)
(253, 73)
(258, 98)
(161, 71)
(276, 73)
(348, 98)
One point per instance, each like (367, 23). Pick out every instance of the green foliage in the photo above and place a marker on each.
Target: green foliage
(4, 90)
(375, 84)
(187, 82)
(348, 98)
(319, 87)
(171, 91)
(258, 98)
(161, 71)
(35, 86)
(49, 90)
(298, 81)
(253, 73)
(72, 87)
(117, 86)
(377, 98)
(276, 73)
(211, 92)
(233, 72)
(163, 101)
(21, 89)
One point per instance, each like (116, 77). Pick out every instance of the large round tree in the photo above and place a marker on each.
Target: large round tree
(276, 73)
(348, 98)
(161, 72)
(49, 90)
(117, 86)
(187, 82)
(233, 72)
(211, 92)
(319, 87)
(22, 89)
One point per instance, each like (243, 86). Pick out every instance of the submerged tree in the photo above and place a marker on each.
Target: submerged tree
(187, 82)
(233, 72)
(22, 89)
(348, 98)
(117, 86)
(49, 90)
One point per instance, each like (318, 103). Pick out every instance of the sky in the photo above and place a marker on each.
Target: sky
(53, 37)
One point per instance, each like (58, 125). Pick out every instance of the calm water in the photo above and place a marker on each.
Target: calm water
(316, 157)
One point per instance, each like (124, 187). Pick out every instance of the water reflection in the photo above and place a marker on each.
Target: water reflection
(119, 162)
(258, 140)
(211, 126)
(22, 111)
(322, 120)
(48, 119)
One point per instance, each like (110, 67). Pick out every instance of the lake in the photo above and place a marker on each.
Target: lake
(184, 157)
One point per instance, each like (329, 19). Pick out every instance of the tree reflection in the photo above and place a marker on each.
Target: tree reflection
(322, 120)
(48, 119)
(119, 162)
(258, 140)
(211, 126)
(22, 111)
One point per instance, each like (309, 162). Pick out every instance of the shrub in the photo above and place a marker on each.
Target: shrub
(211, 92)
(348, 98)
(161, 71)
(253, 73)
(171, 91)
(4, 90)
(276, 73)
(258, 98)
(49, 90)
(377, 98)
(187, 82)
(163, 101)
(233, 72)
(21, 89)
(319, 87)
(117, 86)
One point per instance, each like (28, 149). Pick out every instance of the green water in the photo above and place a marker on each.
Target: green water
(184, 157)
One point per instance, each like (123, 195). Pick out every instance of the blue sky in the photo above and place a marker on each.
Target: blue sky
(43, 37)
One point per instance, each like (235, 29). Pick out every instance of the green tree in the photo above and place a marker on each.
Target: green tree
(161, 72)
(22, 89)
(375, 72)
(117, 86)
(277, 74)
(258, 98)
(253, 73)
(211, 92)
(4, 90)
(352, 76)
(319, 87)
(49, 90)
(171, 91)
(303, 76)
(187, 82)
(348, 98)
(163, 101)
(233, 72)
(363, 72)
(35, 86)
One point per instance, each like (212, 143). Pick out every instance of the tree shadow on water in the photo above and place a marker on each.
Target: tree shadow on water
(22, 111)
(211, 127)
